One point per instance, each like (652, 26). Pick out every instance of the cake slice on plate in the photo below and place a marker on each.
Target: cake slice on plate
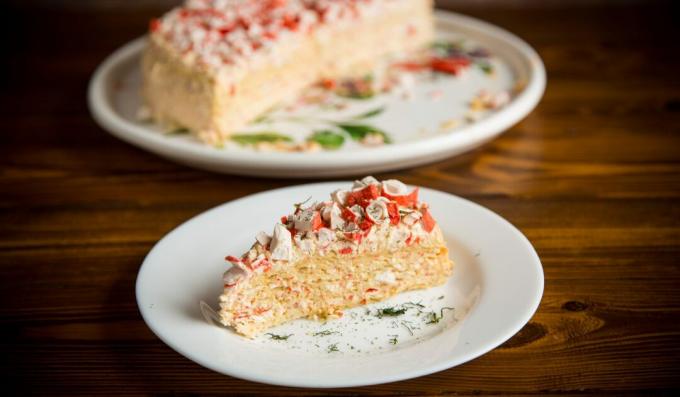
(364, 245)
(212, 66)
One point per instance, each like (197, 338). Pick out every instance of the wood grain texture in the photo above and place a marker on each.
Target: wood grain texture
(592, 177)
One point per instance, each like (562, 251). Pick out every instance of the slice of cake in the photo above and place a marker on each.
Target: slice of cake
(364, 245)
(212, 66)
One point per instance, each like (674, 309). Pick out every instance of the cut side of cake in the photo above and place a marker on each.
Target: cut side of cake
(212, 66)
(366, 244)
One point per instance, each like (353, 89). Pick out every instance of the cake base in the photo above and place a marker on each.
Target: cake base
(321, 287)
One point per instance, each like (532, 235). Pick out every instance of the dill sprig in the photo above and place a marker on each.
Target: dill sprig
(433, 318)
(324, 333)
(408, 327)
(393, 339)
(298, 206)
(333, 348)
(279, 337)
(390, 312)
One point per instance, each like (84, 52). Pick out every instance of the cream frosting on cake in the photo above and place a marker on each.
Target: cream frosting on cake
(213, 65)
(365, 244)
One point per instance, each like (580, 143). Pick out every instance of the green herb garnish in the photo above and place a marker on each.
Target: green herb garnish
(360, 131)
(358, 94)
(324, 333)
(405, 211)
(447, 47)
(356, 88)
(298, 206)
(263, 118)
(406, 325)
(434, 319)
(369, 114)
(485, 67)
(327, 139)
(390, 312)
(179, 131)
(393, 339)
(252, 139)
(279, 337)
(333, 348)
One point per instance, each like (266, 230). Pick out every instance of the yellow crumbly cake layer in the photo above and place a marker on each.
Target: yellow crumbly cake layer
(366, 244)
(213, 66)
(322, 286)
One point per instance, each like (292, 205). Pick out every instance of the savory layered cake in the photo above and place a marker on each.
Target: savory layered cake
(365, 244)
(211, 66)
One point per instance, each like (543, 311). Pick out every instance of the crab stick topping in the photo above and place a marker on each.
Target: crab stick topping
(350, 222)
(233, 276)
(281, 244)
(427, 220)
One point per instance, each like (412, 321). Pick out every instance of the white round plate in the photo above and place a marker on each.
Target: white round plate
(496, 287)
(432, 124)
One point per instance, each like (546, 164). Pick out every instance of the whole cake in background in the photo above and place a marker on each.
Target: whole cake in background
(367, 243)
(212, 66)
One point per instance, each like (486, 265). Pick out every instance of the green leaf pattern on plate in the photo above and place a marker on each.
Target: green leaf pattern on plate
(359, 132)
(327, 139)
(330, 139)
(252, 139)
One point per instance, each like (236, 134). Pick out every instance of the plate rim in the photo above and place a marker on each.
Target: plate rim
(510, 331)
(388, 157)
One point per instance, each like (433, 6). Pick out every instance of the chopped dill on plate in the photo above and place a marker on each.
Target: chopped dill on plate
(433, 318)
(324, 333)
(279, 337)
(390, 311)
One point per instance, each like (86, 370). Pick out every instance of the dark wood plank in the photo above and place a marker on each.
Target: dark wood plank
(592, 177)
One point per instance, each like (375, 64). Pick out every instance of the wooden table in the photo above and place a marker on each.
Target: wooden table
(592, 177)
